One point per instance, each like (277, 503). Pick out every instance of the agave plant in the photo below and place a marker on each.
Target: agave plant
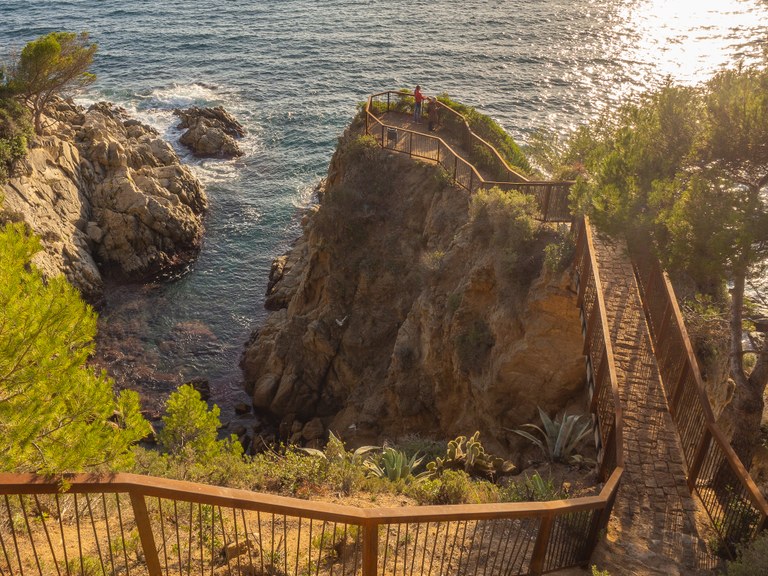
(393, 464)
(559, 438)
(335, 450)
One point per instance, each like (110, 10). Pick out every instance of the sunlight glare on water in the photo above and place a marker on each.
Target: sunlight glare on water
(689, 40)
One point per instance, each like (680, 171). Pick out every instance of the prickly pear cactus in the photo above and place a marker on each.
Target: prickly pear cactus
(470, 456)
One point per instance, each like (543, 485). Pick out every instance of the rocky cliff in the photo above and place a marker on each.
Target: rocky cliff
(407, 306)
(99, 187)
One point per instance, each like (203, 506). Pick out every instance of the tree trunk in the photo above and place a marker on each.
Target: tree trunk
(745, 411)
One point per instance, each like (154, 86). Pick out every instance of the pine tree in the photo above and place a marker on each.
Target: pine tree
(56, 413)
(53, 64)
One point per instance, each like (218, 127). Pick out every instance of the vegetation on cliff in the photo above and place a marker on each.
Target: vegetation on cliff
(56, 414)
(485, 127)
(689, 166)
(425, 472)
(48, 66)
(15, 131)
(51, 65)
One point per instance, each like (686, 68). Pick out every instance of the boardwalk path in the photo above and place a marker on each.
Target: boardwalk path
(654, 528)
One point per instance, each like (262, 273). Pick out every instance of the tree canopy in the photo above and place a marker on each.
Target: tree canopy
(689, 166)
(56, 413)
(53, 64)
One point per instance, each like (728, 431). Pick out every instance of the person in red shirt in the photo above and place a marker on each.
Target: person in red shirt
(418, 98)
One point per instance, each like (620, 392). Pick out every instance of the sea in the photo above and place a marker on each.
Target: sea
(295, 71)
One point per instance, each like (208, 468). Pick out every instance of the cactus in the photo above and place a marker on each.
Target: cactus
(470, 456)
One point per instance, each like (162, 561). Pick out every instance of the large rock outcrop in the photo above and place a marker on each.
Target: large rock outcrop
(101, 187)
(402, 309)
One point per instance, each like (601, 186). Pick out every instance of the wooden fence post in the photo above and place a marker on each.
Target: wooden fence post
(545, 208)
(542, 542)
(370, 549)
(146, 536)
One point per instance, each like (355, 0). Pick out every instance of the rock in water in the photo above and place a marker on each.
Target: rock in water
(101, 187)
(210, 132)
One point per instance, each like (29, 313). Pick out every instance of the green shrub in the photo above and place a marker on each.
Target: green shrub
(532, 489)
(290, 471)
(558, 255)
(506, 221)
(345, 470)
(85, 566)
(15, 130)
(752, 559)
(453, 487)
(487, 129)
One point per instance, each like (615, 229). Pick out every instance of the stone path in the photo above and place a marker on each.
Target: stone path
(656, 526)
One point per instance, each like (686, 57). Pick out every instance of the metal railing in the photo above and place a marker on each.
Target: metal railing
(603, 388)
(551, 197)
(735, 505)
(129, 524)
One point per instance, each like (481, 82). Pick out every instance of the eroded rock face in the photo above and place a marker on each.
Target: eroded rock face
(392, 314)
(100, 187)
(210, 132)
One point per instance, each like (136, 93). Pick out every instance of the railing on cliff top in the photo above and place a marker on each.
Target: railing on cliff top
(551, 197)
(734, 503)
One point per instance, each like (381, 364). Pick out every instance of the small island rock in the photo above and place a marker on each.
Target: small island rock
(210, 132)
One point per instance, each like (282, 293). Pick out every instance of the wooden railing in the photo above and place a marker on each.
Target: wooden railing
(603, 388)
(735, 505)
(551, 197)
(142, 525)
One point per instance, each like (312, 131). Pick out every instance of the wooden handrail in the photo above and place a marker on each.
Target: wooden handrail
(180, 490)
(600, 297)
(654, 281)
(476, 181)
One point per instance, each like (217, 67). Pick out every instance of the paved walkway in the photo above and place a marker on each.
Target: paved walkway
(656, 523)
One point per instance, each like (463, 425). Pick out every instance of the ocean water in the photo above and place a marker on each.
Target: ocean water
(293, 72)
